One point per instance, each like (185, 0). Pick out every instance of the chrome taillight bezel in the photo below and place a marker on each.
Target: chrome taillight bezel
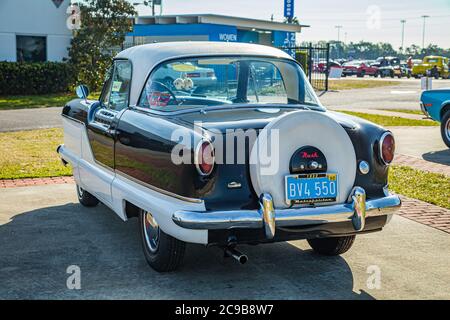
(380, 149)
(196, 157)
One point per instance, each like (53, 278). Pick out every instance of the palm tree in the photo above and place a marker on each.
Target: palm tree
(293, 20)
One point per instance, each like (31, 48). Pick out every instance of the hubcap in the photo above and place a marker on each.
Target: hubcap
(151, 231)
(80, 191)
(447, 129)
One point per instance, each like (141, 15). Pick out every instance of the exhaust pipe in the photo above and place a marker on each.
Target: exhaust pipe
(238, 256)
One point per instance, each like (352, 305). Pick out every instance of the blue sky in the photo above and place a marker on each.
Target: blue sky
(359, 18)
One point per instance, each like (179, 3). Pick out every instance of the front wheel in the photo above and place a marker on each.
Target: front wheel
(332, 246)
(445, 128)
(162, 252)
(85, 198)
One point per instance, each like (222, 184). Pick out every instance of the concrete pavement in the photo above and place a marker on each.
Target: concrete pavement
(422, 142)
(43, 231)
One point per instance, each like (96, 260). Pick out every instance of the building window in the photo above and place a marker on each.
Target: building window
(31, 49)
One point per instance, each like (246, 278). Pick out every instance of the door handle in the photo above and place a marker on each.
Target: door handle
(110, 132)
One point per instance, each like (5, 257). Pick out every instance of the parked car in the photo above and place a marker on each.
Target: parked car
(322, 66)
(201, 77)
(164, 156)
(436, 105)
(405, 70)
(434, 66)
(388, 67)
(359, 68)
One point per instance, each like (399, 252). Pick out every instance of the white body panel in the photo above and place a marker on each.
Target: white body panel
(113, 190)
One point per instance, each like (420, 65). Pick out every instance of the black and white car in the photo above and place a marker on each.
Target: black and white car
(256, 159)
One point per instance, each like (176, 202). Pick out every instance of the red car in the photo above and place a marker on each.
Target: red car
(359, 68)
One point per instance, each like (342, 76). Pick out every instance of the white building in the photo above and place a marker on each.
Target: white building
(34, 30)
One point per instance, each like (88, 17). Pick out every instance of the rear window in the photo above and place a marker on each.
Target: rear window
(221, 81)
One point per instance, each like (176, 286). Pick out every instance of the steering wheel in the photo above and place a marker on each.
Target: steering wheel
(174, 97)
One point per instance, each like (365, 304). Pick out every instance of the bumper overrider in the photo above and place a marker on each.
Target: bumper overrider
(356, 210)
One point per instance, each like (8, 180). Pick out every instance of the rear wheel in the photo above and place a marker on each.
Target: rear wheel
(85, 198)
(332, 246)
(163, 252)
(445, 128)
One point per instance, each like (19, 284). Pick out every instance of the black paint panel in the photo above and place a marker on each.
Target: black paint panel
(144, 145)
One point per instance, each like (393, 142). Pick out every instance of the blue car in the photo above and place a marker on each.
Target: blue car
(436, 105)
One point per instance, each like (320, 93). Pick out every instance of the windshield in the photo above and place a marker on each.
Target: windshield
(220, 81)
(431, 60)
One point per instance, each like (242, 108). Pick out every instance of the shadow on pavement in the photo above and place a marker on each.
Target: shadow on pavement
(38, 246)
(442, 157)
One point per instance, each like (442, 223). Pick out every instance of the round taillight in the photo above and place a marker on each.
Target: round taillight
(387, 147)
(204, 158)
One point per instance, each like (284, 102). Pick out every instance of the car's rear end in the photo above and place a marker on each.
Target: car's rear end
(320, 188)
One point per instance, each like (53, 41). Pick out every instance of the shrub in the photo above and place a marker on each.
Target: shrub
(25, 78)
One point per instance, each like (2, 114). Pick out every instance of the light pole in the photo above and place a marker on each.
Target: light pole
(339, 40)
(403, 34)
(423, 32)
(339, 32)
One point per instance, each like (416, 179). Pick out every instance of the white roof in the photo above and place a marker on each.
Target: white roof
(145, 57)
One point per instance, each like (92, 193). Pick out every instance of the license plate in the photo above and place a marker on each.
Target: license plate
(311, 188)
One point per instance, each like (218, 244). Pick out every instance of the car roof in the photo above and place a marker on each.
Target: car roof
(145, 57)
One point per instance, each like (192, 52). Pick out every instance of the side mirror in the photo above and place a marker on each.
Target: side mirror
(82, 92)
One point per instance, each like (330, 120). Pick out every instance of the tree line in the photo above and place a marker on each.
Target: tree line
(370, 51)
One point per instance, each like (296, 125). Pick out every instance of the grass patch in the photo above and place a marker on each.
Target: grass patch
(360, 84)
(38, 101)
(31, 154)
(429, 187)
(390, 121)
(408, 111)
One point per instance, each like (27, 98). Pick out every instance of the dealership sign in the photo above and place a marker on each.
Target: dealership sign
(289, 8)
(57, 3)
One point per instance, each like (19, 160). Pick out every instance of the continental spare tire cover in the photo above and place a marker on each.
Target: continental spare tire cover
(277, 142)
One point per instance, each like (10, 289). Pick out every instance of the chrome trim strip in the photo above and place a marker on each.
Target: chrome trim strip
(61, 150)
(424, 110)
(165, 192)
(73, 119)
(253, 219)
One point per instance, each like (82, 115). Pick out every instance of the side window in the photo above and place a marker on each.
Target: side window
(265, 84)
(118, 90)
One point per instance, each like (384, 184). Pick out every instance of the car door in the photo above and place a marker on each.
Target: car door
(102, 122)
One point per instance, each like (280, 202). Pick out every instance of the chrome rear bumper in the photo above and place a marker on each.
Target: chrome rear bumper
(356, 210)
(424, 110)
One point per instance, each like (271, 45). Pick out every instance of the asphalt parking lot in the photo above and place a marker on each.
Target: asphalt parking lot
(405, 95)
(43, 231)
